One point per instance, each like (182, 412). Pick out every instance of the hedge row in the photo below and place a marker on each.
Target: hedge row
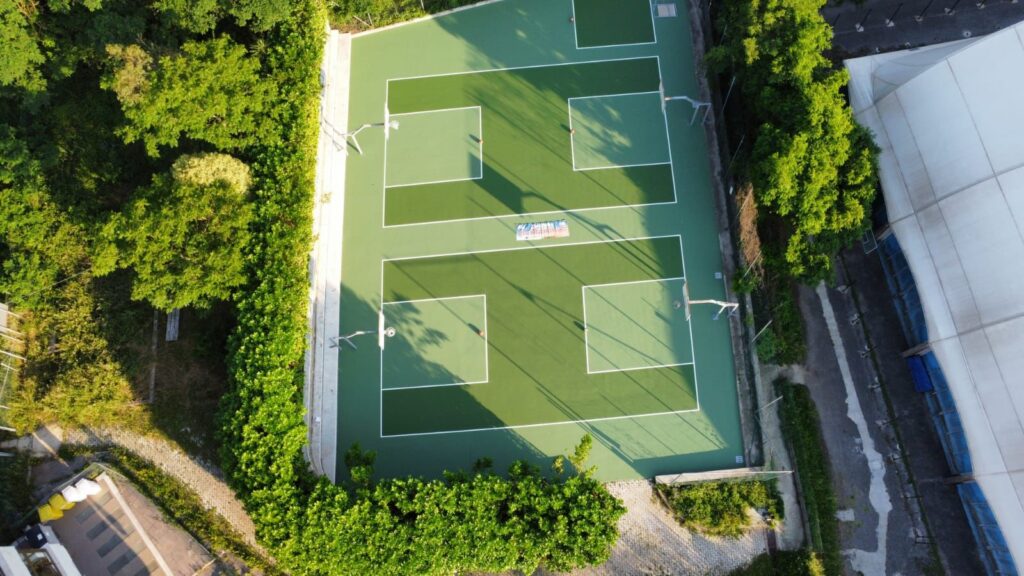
(404, 526)
(802, 430)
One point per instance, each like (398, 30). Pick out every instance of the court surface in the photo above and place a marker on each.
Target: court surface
(479, 345)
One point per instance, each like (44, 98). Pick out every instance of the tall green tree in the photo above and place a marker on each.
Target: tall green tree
(211, 91)
(183, 235)
(202, 16)
(811, 165)
(20, 56)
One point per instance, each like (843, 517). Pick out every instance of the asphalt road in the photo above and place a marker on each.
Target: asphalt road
(926, 525)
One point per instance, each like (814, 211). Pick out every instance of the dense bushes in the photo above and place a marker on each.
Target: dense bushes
(721, 508)
(363, 14)
(812, 167)
(783, 563)
(402, 526)
(802, 430)
(128, 152)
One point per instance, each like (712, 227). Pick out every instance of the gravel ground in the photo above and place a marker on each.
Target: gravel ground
(652, 543)
(205, 479)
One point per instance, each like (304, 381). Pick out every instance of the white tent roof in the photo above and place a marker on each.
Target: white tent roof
(950, 122)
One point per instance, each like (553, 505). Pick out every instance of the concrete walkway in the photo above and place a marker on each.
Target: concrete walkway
(321, 370)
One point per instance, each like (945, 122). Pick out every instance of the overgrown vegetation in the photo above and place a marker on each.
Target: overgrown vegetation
(161, 154)
(806, 170)
(722, 508)
(811, 166)
(352, 15)
(802, 430)
(15, 494)
(783, 563)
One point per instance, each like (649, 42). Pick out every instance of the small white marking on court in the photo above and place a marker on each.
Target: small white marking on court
(487, 369)
(576, 39)
(479, 137)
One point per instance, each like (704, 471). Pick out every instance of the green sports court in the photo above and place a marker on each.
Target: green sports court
(526, 220)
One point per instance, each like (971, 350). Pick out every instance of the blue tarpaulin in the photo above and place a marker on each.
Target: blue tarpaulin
(922, 382)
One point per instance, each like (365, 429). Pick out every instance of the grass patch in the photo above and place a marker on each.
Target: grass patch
(802, 430)
(720, 508)
(783, 563)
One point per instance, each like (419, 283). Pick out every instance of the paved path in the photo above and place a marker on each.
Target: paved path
(205, 479)
(321, 370)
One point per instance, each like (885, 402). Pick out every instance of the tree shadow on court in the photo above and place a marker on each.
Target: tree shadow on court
(414, 432)
(507, 190)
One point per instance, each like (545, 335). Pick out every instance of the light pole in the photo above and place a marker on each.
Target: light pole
(391, 124)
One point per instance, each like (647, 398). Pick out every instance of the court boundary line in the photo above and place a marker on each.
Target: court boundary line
(479, 143)
(654, 31)
(572, 136)
(526, 67)
(387, 96)
(487, 344)
(696, 380)
(529, 247)
(544, 424)
(586, 328)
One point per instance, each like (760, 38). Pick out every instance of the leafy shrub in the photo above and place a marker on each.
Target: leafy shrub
(399, 526)
(810, 164)
(802, 430)
(720, 508)
(783, 563)
(365, 14)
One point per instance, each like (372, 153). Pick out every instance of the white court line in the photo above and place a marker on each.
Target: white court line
(539, 213)
(435, 110)
(387, 91)
(487, 368)
(428, 182)
(636, 368)
(668, 140)
(654, 31)
(531, 247)
(613, 95)
(696, 385)
(543, 424)
(487, 70)
(612, 166)
(442, 298)
(586, 327)
(479, 143)
(635, 282)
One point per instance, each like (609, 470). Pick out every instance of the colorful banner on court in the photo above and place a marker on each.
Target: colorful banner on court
(542, 230)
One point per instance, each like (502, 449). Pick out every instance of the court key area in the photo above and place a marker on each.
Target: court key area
(526, 215)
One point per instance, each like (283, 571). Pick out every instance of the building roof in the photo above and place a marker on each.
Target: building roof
(949, 120)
